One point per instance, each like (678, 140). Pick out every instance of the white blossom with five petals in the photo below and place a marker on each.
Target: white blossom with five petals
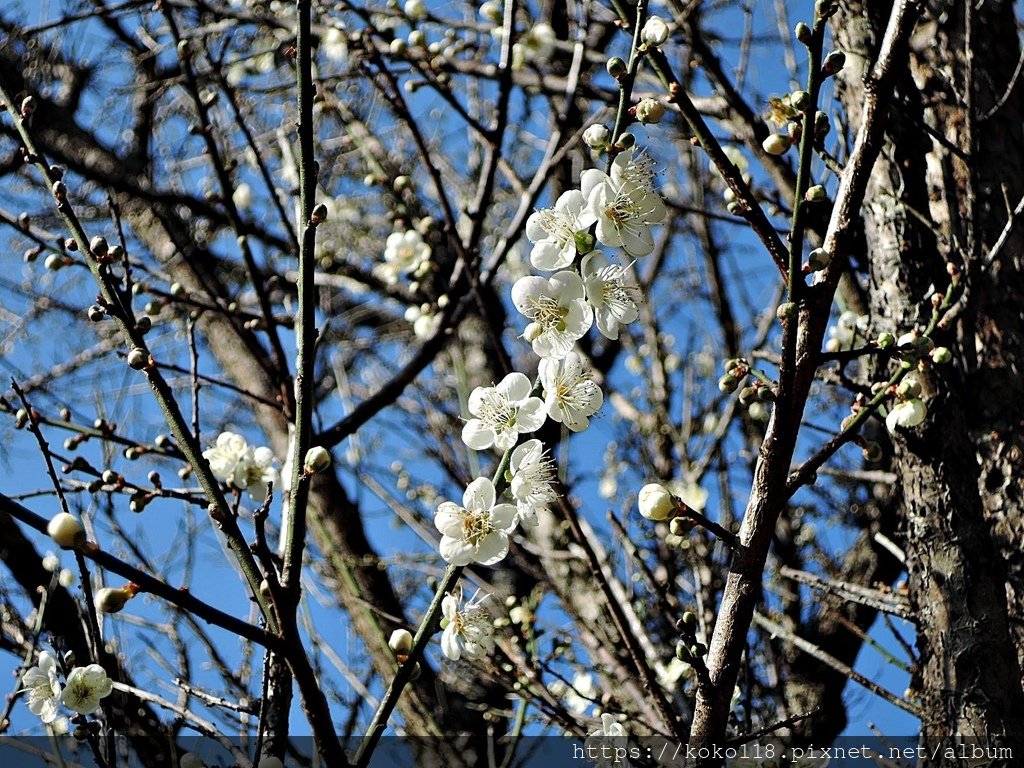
(532, 475)
(86, 687)
(570, 395)
(241, 466)
(625, 203)
(478, 530)
(502, 413)
(43, 688)
(553, 231)
(558, 312)
(469, 631)
(608, 293)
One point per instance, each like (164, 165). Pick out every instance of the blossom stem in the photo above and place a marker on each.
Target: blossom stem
(627, 80)
(690, 513)
(428, 626)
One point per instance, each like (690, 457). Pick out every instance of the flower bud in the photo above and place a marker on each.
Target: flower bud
(885, 340)
(787, 311)
(113, 599)
(491, 11)
(655, 32)
(728, 384)
(138, 358)
(800, 100)
(96, 313)
(270, 762)
(66, 531)
(872, 451)
(53, 262)
(596, 136)
(317, 460)
(415, 10)
(909, 388)
(690, 620)
(319, 214)
(680, 526)
(649, 111)
(776, 144)
(401, 642)
(98, 246)
(834, 62)
(28, 106)
(818, 259)
(417, 39)
(626, 140)
(655, 502)
(941, 355)
(815, 194)
(683, 652)
(190, 760)
(802, 32)
(735, 208)
(822, 125)
(616, 67)
(748, 395)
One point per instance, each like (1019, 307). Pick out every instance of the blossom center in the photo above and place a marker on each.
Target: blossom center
(547, 312)
(476, 526)
(497, 411)
(557, 224)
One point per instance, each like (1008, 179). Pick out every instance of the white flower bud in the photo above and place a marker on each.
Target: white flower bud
(655, 32)
(317, 460)
(270, 762)
(776, 144)
(112, 599)
(401, 642)
(597, 136)
(650, 111)
(655, 502)
(415, 10)
(66, 531)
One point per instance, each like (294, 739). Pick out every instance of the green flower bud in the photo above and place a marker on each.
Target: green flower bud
(800, 100)
(834, 62)
(941, 355)
(802, 32)
(616, 67)
(728, 384)
(816, 194)
(818, 259)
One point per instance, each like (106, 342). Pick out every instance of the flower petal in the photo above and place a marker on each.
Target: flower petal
(479, 495)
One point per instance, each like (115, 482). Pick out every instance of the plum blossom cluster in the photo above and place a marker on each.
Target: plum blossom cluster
(241, 466)
(81, 692)
(583, 288)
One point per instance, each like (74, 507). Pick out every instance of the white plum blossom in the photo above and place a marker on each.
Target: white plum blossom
(597, 136)
(570, 395)
(655, 32)
(908, 413)
(404, 252)
(625, 203)
(609, 742)
(85, 688)
(43, 688)
(557, 309)
(502, 413)
(468, 630)
(534, 46)
(532, 475)
(608, 293)
(553, 231)
(477, 531)
(235, 462)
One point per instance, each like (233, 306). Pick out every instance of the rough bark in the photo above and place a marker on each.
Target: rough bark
(937, 198)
